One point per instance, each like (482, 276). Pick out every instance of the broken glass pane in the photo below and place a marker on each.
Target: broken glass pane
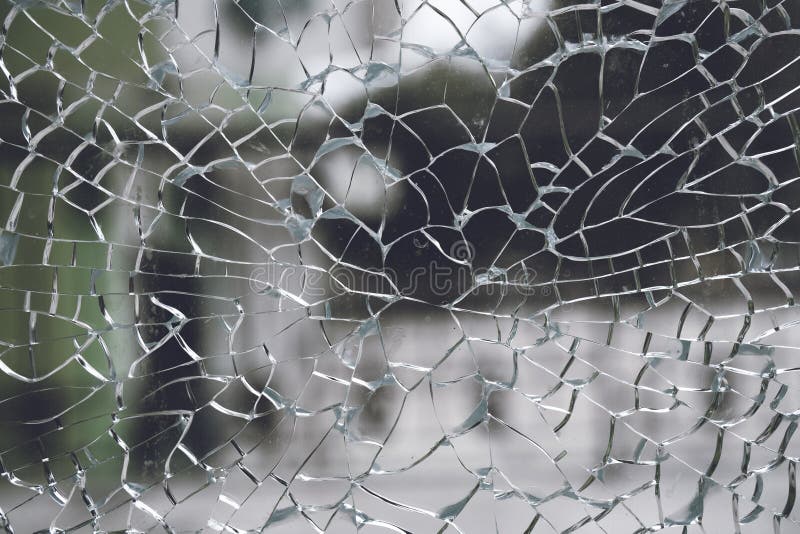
(399, 266)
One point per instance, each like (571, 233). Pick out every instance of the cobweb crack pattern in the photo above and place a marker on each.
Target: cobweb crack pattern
(403, 266)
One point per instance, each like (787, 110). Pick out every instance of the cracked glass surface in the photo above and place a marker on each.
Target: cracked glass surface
(399, 266)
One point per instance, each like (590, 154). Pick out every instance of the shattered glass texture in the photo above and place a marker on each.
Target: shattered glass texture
(399, 266)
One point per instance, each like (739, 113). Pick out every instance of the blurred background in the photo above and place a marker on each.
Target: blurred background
(399, 265)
